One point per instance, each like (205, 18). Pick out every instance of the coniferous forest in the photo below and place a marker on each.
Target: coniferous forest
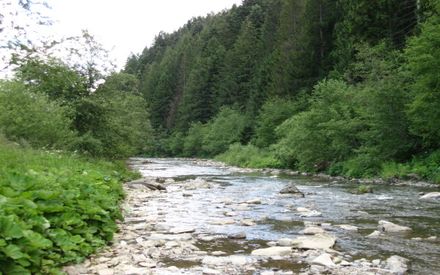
(341, 87)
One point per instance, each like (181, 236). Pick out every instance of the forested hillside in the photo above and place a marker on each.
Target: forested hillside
(347, 87)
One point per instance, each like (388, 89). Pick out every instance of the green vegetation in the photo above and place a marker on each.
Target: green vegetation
(336, 86)
(321, 86)
(55, 208)
(364, 189)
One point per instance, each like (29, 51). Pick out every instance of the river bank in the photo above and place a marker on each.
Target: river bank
(214, 219)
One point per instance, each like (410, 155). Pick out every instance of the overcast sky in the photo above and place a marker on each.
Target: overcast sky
(127, 26)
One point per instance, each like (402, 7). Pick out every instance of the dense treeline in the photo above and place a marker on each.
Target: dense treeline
(346, 87)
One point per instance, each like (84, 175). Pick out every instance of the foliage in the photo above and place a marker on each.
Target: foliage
(225, 129)
(33, 118)
(325, 133)
(55, 208)
(272, 114)
(248, 156)
(423, 55)
(364, 189)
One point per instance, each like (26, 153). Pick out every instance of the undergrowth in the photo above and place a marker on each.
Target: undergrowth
(55, 208)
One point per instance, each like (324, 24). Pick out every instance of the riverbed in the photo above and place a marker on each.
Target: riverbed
(218, 212)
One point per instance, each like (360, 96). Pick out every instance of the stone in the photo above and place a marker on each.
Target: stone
(313, 230)
(105, 271)
(171, 244)
(230, 214)
(312, 213)
(254, 201)
(432, 238)
(171, 237)
(247, 222)
(210, 271)
(374, 234)
(272, 251)
(218, 253)
(137, 258)
(237, 236)
(238, 260)
(397, 264)
(293, 190)
(348, 227)
(285, 242)
(431, 196)
(144, 182)
(180, 230)
(324, 260)
(318, 241)
(389, 227)
(213, 261)
(222, 222)
(344, 263)
(376, 262)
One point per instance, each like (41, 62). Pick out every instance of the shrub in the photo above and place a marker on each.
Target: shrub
(248, 156)
(32, 117)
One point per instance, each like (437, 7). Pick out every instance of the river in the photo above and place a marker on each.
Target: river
(276, 216)
(210, 218)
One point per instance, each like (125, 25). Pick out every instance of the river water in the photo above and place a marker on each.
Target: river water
(276, 217)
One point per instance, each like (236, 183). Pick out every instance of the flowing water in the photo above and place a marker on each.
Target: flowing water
(277, 217)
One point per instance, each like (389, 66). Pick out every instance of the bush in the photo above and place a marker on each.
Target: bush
(33, 118)
(326, 133)
(272, 114)
(249, 156)
(225, 129)
(54, 208)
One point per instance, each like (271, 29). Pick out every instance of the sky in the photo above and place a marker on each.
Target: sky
(127, 26)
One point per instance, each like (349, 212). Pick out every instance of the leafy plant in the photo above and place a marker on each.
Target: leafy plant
(54, 208)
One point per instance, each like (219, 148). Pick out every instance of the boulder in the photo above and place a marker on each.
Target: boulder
(319, 241)
(285, 242)
(272, 251)
(324, 259)
(389, 227)
(397, 265)
(254, 201)
(237, 236)
(293, 190)
(144, 182)
(431, 196)
(313, 230)
(348, 227)
(374, 234)
(312, 213)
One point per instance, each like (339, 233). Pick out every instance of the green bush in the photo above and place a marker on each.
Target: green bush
(272, 114)
(427, 168)
(33, 118)
(326, 133)
(225, 129)
(54, 208)
(248, 156)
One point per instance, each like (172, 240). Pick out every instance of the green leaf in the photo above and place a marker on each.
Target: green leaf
(14, 252)
(9, 228)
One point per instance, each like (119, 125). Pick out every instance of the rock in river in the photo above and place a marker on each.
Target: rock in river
(319, 241)
(293, 190)
(386, 226)
(397, 264)
(431, 196)
(324, 259)
(272, 251)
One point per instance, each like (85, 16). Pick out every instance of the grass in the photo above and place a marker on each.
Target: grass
(55, 208)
